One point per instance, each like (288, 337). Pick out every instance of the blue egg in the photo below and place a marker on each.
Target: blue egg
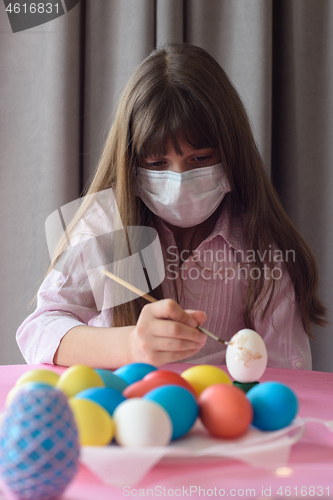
(179, 403)
(134, 371)
(39, 445)
(111, 380)
(104, 396)
(275, 405)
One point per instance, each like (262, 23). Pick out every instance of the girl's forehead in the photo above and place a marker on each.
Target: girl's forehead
(184, 148)
(179, 144)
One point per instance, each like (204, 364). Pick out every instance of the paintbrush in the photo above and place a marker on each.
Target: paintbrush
(152, 299)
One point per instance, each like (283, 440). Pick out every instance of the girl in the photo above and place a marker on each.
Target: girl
(181, 158)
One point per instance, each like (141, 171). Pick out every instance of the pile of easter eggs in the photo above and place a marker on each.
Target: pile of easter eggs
(49, 416)
(140, 405)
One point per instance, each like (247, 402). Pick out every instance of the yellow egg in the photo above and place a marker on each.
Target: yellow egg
(95, 425)
(201, 376)
(77, 378)
(40, 375)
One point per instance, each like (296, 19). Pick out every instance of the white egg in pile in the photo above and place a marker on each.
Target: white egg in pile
(246, 356)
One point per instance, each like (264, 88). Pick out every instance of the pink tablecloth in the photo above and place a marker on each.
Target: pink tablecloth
(309, 473)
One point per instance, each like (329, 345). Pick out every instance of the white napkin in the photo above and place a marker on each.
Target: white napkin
(120, 466)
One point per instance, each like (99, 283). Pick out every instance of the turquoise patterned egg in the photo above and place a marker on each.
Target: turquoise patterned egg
(39, 447)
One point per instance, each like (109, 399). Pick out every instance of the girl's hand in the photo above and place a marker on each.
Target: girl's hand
(165, 333)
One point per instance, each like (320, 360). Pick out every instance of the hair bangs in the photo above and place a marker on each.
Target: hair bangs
(179, 118)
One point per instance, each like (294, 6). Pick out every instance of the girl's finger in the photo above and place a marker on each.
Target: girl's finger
(200, 316)
(172, 332)
(170, 343)
(163, 357)
(169, 309)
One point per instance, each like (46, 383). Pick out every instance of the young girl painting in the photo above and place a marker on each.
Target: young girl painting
(181, 158)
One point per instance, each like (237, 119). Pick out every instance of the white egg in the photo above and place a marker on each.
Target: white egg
(246, 356)
(141, 422)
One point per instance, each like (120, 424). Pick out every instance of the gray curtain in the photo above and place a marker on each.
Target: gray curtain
(59, 85)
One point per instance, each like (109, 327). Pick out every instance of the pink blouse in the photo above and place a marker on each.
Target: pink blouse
(217, 287)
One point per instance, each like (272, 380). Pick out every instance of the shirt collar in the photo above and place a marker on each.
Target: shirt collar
(230, 228)
(227, 226)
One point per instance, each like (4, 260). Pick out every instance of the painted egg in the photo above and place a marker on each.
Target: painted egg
(108, 398)
(141, 387)
(246, 356)
(39, 375)
(39, 447)
(134, 371)
(274, 404)
(77, 378)
(17, 388)
(202, 376)
(169, 377)
(111, 380)
(150, 381)
(94, 423)
(141, 422)
(225, 410)
(179, 403)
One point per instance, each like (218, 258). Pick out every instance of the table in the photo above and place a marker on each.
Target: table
(309, 473)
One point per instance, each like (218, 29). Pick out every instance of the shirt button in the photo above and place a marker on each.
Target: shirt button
(299, 364)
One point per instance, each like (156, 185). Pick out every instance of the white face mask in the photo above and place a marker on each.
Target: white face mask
(183, 199)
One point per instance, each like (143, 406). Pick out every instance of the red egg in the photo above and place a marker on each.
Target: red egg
(169, 377)
(225, 410)
(141, 387)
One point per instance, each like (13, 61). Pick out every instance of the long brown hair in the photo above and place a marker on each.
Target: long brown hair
(180, 93)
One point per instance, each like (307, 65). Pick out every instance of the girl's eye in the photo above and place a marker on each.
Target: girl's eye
(155, 164)
(202, 158)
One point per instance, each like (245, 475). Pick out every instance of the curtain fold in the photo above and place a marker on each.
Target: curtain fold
(170, 18)
(60, 83)
(39, 144)
(238, 35)
(119, 35)
(302, 125)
